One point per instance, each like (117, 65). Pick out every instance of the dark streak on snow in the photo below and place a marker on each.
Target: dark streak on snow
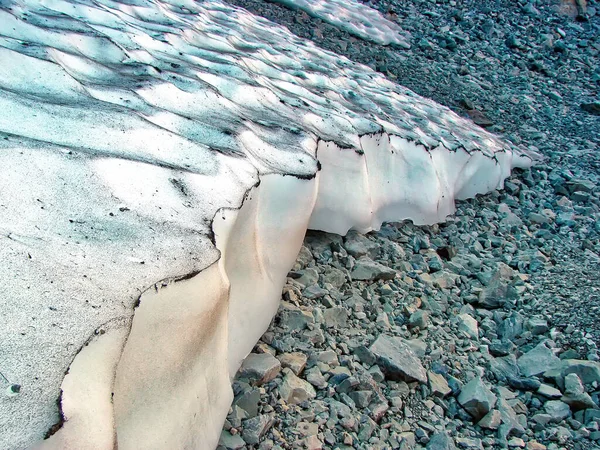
(61, 419)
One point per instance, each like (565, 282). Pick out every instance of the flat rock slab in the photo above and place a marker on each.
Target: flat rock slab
(366, 269)
(397, 360)
(537, 360)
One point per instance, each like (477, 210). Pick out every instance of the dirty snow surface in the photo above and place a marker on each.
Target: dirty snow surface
(126, 126)
(354, 18)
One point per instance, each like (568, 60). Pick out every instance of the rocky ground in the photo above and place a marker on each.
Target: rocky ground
(481, 332)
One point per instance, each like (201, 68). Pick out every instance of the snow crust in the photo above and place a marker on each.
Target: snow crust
(353, 17)
(160, 163)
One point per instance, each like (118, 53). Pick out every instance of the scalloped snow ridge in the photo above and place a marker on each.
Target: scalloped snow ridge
(182, 141)
(353, 17)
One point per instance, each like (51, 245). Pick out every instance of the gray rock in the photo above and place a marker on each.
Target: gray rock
(328, 357)
(541, 419)
(537, 360)
(441, 441)
(569, 354)
(310, 443)
(537, 325)
(377, 374)
(491, 420)
(595, 435)
(516, 443)
(557, 410)
(307, 277)
(549, 392)
(573, 384)
(334, 276)
(256, 428)
(249, 401)
(383, 321)
(418, 346)
(367, 428)
(231, 441)
(397, 360)
(575, 395)
(293, 318)
(407, 440)
(531, 10)
(260, 368)
(438, 384)
(468, 325)
(511, 327)
(305, 257)
(295, 361)
(501, 348)
(587, 371)
(295, 390)
(313, 292)
(336, 317)
(316, 378)
(510, 420)
(493, 295)
(592, 414)
(539, 218)
(581, 197)
(347, 385)
(359, 245)
(442, 279)
(523, 384)
(579, 401)
(581, 185)
(419, 319)
(505, 367)
(365, 355)
(361, 398)
(469, 443)
(236, 416)
(366, 269)
(321, 244)
(476, 398)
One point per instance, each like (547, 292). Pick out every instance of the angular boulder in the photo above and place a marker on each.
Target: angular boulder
(260, 367)
(366, 269)
(295, 390)
(476, 398)
(397, 360)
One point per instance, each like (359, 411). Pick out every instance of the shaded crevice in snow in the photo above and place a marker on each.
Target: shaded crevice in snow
(125, 128)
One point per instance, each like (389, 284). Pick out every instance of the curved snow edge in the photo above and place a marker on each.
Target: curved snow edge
(166, 380)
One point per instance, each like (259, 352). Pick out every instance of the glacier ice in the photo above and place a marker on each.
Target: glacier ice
(161, 162)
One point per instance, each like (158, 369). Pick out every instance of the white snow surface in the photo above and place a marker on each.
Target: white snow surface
(171, 154)
(353, 17)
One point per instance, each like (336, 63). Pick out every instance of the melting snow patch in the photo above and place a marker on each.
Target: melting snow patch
(161, 163)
